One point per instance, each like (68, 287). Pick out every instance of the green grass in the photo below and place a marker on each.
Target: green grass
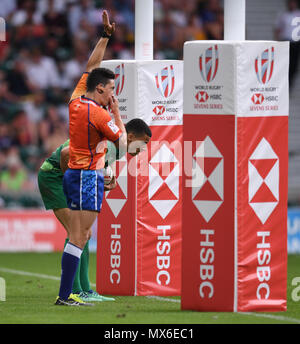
(29, 300)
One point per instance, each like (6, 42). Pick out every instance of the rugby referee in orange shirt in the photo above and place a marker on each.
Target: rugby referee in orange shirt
(83, 183)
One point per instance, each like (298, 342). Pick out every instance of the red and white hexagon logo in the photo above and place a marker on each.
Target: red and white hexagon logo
(257, 98)
(164, 173)
(117, 197)
(208, 179)
(159, 110)
(202, 96)
(263, 171)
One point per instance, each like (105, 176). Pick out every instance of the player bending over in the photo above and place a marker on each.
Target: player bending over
(50, 181)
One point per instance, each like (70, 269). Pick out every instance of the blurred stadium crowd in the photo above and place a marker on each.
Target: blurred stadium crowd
(46, 49)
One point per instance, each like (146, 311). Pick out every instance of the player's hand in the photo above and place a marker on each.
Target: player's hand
(113, 105)
(111, 185)
(108, 28)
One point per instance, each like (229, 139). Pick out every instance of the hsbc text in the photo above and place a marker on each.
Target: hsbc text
(115, 257)
(207, 257)
(163, 249)
(263, 270)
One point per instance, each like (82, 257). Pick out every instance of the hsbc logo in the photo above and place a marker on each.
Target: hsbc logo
(117, 197)
(209, 63)
(159, 110)
(165, 81)
(263, 171)
(119, 79)
(202, 97)
(264, 65)
(208, 179)
(164, 181)
(257, 98)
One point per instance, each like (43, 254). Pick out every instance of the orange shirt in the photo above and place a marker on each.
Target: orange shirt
(89, 125)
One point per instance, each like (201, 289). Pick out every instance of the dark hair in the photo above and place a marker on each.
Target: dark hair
(138, 127)
(98, 76)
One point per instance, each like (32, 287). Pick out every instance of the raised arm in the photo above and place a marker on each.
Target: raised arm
(99, 50)
(96, 56)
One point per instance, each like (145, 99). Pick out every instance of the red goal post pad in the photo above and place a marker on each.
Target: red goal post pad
(139, 227)
(235, 203)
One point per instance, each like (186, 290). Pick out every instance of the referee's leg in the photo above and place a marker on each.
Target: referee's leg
(84, 193)
(81, 222)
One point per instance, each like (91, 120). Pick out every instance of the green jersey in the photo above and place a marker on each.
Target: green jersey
(112, 154)
(50, 181)
(50, 176)
(53, 162)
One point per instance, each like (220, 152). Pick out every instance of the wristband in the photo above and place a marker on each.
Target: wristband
(105, 35)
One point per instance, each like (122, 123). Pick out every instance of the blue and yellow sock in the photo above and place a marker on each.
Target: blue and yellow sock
(69, 264)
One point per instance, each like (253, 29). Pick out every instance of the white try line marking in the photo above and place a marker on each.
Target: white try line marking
(258, 315)
(32, 274)
(270, 316)
(165, 299)
(158, 298)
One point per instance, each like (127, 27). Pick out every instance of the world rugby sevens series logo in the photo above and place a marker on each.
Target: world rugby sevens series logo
(264, 65)
(119, 79)
(165, 81)
(209, 63)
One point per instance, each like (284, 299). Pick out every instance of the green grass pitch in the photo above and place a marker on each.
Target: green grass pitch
(31, 291)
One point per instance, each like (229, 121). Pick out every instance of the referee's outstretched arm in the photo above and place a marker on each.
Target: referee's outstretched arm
(99, 50)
